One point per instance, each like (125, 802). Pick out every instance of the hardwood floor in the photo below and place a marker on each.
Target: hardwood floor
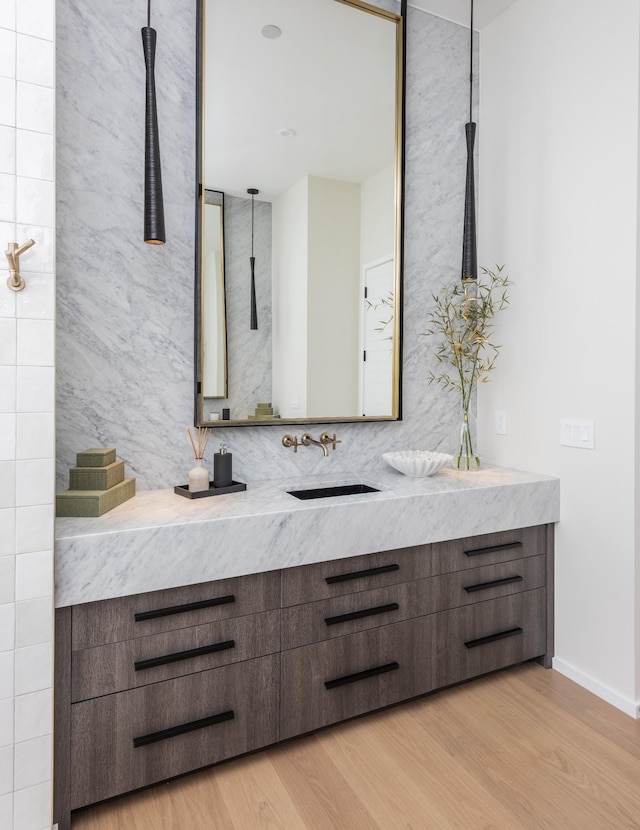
(517, 750)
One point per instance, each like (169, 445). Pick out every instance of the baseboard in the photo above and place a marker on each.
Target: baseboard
(624, 704)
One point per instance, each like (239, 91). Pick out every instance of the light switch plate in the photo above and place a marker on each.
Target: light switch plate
(577, 433)
(501, 422)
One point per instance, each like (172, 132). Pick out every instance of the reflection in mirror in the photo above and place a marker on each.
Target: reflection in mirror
(214, 345)
(310, 115)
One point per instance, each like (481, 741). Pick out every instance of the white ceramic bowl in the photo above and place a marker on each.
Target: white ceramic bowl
(417, 463)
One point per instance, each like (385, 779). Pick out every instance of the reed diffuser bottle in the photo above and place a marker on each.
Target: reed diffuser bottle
(199, 475)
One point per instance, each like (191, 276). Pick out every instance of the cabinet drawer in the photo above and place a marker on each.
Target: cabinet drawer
(308, 583)
(490, 582)
(328, 682)
(480, 638)
(125, 741)
(330, 618)
(488, 549)
(112, 620)
(128, 664)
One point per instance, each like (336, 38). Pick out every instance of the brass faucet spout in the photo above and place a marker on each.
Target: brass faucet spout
(307, 440)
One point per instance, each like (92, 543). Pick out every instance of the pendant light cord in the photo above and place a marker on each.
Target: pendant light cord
(252, 224)
(149, 14)
(471, 67)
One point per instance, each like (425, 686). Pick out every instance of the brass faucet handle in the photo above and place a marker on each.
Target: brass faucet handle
(291, 441)
(326, 438)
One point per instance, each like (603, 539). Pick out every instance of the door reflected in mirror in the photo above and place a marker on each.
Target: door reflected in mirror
(301, 99)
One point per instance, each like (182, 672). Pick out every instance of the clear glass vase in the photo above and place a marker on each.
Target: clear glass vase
(463, 444)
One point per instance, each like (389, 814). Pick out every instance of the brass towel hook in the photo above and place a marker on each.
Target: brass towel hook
(13, 252)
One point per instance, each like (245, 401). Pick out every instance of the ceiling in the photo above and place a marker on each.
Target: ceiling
(458, 10)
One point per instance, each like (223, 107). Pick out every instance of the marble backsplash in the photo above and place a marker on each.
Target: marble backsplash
(125, 309)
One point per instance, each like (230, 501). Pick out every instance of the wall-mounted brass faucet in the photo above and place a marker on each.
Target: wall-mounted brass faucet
(308, 440)
(13, 253)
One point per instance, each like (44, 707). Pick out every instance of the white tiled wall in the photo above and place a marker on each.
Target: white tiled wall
(26, 415)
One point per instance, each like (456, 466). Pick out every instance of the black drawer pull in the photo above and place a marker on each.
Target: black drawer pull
(152, 662)
(361, 675)
(481, 641)
(153, 737)
(482, 586)
(180, 609)
(383, 569)
(358, 615)
(493, 549)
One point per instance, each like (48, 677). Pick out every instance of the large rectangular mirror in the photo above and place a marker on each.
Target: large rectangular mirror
(301, 136)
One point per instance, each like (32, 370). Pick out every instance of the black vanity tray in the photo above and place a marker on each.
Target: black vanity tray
(234, 487)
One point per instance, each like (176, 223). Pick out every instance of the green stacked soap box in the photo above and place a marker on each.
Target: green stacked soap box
(263, 412)
(97, 484)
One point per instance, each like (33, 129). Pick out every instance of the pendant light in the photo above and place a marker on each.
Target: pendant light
(469, 242)
(154, 232)
(252, 262)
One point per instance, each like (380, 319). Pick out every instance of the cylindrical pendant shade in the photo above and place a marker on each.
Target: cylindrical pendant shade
(254, 309)
(469, 242)
(154, 231)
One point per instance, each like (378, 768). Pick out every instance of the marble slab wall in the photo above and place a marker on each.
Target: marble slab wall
(125, 309)
(248, 352)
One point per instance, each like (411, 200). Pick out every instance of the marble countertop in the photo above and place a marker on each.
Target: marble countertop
(160, 540)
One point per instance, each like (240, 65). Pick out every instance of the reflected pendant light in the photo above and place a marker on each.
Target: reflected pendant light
(154, 232)
(469, 242)
(252, 262)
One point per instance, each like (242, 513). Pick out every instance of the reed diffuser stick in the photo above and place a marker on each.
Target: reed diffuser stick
(200, 445)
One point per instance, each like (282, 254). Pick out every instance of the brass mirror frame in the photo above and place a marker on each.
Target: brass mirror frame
(199, 399)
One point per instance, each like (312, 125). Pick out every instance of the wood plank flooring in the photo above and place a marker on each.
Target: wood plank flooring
(522, 749)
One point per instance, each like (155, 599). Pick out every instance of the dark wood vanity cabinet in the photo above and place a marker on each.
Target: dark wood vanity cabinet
(158, 684)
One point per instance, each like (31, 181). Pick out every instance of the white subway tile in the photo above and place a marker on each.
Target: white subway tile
(32, 762)
(35, 343)
(6, 769)
(7, 437)
(7, 494)
(33, 668)
(7, 578)
(7, 197)
(8, 341)
(7, 626)
(34, 60)
(32, 807)
(34, 622)
(37, 300)
(34, 482)
(7, 530)
(35, 389)
(8, 152)
(35, 435)
(34, 108)
(33, 715)
(7, 388)
(34, 575)
(35, 17)
(6, 811)
(7, 298)
(33, 154)
(34, 202)
(7, 53)
(8, 98)
(7, 659)
(41, 256)
(34, 528)
(6, 722)
(8, 14)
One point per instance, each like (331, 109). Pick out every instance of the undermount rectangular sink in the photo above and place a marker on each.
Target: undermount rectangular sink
(339, 490)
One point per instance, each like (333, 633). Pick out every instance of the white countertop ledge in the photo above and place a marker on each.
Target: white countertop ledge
(161, 540)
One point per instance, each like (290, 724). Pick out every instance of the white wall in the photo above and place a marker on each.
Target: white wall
(289, 252)
(26, 415)
(377, 210)
(558, 185)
